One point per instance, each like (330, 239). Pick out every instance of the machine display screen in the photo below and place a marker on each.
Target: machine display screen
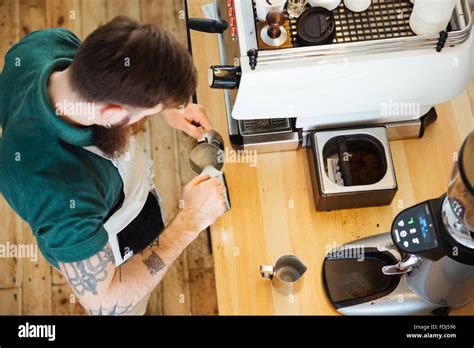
(414, 230)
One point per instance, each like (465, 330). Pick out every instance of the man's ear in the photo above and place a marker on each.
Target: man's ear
(151, 111)
(112, 114)
(160, 107)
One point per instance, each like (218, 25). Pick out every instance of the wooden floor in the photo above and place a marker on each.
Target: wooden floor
(35, 288)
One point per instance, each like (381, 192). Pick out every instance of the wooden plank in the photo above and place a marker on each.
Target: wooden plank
(176, 289)
(64, 302)
(10, 225)
(9, 26)
(466, 310)
(32, 15)
(461, 106)
(10, 301)
(167, 14)
(470, 91)
(203, 294)
(94, 14)
(36, 275)
(10, 233)
(36, 282)
(155, 304)
(57, 278)
(64, 14)
(130, 8)
(199, 255)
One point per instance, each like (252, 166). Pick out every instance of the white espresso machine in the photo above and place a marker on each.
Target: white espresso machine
(374, 81)
(376, 71)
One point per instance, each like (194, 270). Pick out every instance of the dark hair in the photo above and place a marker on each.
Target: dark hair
(126, 62)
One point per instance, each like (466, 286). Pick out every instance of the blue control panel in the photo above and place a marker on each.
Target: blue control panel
(413, 230)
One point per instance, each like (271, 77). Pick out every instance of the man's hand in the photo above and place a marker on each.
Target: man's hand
(183, 119)
(204, 203)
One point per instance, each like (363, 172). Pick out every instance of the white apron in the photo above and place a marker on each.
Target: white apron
(137, 175)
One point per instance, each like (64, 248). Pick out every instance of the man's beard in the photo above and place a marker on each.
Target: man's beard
(114, 141)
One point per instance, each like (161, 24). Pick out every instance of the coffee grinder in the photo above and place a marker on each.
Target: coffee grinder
(425, 265)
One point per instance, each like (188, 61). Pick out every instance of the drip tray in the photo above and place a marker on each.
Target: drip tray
(353, 276)
(351, 168)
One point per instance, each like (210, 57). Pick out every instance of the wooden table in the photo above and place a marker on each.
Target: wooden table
(273, 211)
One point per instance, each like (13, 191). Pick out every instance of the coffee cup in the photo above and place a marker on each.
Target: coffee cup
(327, 4)
(357, 5)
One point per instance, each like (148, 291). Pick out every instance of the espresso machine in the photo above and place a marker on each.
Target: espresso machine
(425, 265)
(371, 70)
(349, 84)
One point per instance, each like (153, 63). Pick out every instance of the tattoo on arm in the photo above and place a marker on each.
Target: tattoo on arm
(84, 276)
(155, 243)
(154, 263)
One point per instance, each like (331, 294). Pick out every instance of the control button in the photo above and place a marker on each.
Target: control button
(397, 235)
(403, 234)
(230, 3)
(406, 244)
(231, 12)
(411, 221)
(412, 230)
(401, 223)
(415, 241)
(233, 22)
(234, 32)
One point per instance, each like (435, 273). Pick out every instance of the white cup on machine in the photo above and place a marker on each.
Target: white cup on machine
(327, 4)
(357, 5)
(430, 17)
(265, 6)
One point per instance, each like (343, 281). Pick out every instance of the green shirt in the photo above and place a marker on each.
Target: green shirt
(63, 191)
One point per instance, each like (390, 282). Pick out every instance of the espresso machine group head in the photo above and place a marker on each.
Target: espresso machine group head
(425, 265)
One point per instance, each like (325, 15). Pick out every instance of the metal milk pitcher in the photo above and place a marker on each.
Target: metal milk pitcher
(287, 274)
(206, 156)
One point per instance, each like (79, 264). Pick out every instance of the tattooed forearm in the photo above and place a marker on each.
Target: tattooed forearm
(154, 263)
(84, 276)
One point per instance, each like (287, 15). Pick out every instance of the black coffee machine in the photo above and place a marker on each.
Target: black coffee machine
(424, 266)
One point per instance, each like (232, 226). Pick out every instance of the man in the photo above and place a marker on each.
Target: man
(69, 165)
